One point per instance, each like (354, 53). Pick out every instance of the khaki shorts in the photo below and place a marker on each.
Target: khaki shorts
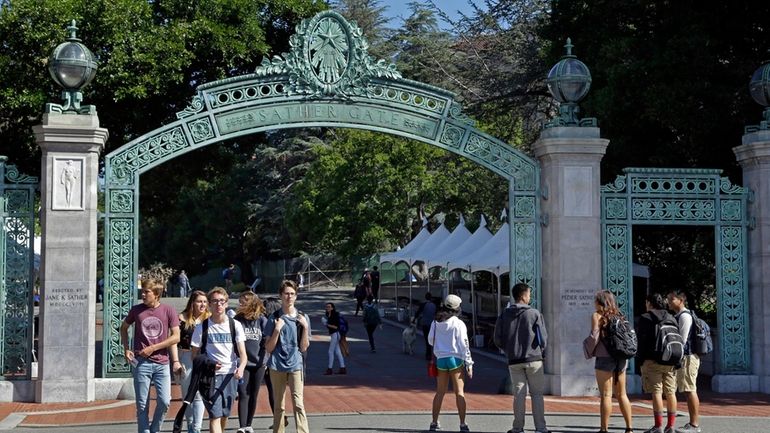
(688, 374)
(657, 378)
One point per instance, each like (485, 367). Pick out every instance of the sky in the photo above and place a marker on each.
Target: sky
(398, 8)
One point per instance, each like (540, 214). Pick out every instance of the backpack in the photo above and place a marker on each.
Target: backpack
(226, 273)
(343, 328)
(669, 344)
(371, 316)
(620, 338)
(277, 315)
(700, 336)
(206, 382)
(205, 336)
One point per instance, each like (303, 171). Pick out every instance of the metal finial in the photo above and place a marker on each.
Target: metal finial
(568, 46)
(73, 30)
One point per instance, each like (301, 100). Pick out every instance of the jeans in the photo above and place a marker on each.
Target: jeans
(194, 412)
(148, 373)
(334, 348)
(528, 374)
(296, 384)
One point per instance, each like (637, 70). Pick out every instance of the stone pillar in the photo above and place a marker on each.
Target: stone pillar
(754, 157)
(572, 257)
(70, 144)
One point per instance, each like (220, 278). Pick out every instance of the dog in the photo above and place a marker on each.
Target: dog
(408, 337)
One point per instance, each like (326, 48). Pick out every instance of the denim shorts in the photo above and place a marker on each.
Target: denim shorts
(608, 363)
(448, 364)
(226, 387)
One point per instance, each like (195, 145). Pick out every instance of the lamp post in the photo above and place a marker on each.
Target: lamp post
(72, 66)
(568, 82)
(759, 87)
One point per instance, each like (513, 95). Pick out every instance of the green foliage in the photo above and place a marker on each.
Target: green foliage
(669, 78)
(364, 192)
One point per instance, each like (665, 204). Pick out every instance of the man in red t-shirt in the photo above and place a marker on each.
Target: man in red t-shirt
(156, 333)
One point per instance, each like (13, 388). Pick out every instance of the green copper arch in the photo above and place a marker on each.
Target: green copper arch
(684, 197)
(327, 80)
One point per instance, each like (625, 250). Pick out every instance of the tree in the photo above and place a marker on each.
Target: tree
(364, 192)
(369, 16)
(669, 78)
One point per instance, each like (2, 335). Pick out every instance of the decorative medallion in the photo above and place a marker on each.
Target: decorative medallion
(328, 57)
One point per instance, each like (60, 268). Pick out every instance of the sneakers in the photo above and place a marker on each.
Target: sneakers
(434, 426)
(328, 372)
(343, 370)
(688, 428)
(669, 430)
(515, 431)
(464, 427)
(654, 430)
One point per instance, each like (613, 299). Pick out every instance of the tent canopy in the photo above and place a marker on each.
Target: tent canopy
(403, 254)
(458, 236)
(492, 257)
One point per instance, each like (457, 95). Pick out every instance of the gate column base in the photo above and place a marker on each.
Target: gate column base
(731, 383)
(65, 391)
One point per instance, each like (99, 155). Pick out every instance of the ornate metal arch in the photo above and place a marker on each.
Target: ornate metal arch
(327, 79)
(684, 197)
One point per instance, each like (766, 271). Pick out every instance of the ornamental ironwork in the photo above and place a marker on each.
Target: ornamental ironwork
(17, 203)
(327, 79)
(684, 197)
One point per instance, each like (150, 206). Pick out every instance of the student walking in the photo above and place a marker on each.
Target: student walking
(520, 332)
(219, 337)
(196, 311)
(658, 375)
(332, 322)
(610, 372)
(453, 355)
(424, 318)
(288, 333)
(251, 315)
(687, 376)
(156, 333)
(371, 321)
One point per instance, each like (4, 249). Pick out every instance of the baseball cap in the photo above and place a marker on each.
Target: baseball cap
(453, 302)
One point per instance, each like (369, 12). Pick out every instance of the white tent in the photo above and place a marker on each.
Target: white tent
(403, 254)
(454, 259)
(458, 236)
(492, 257)
(436, 238)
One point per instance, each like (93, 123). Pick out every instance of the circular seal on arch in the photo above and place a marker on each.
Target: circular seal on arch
(329, 48)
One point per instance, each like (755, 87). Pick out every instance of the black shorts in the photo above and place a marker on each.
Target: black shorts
(607, 363)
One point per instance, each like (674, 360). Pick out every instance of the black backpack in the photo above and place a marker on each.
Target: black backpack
(700, 336)
(669, 344)
(206, 383)
(620, 338)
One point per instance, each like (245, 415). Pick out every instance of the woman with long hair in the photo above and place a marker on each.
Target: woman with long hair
(449, 337)
(332, 321)
(196, 311)
(251, 314)
(610, 372)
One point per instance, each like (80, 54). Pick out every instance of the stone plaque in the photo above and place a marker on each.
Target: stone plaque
(67, 184)
(577, 192)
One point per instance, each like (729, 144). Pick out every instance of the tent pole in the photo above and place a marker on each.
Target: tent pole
(473, 306)
(498, 291)
(410, 285)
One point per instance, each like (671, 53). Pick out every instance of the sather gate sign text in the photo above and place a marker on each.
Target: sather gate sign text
(326, 80)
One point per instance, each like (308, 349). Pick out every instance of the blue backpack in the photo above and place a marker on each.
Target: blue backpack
(343, 329)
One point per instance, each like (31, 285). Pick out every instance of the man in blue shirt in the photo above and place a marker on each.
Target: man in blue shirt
(289, 337)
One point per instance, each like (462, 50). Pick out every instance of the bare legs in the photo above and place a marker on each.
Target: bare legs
(607, 384)
(458, 385)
